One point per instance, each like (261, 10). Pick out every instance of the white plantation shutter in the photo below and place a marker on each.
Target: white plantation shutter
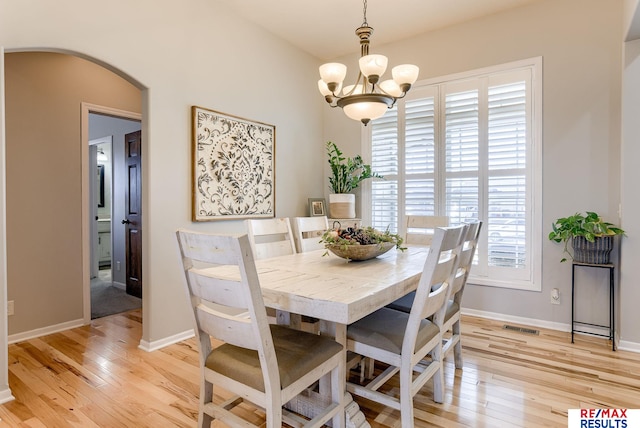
(462, 132)
(464, 148)
(384, 161)
(419, 155)
(507, 185)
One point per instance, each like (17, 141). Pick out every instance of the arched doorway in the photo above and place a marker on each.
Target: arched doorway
(47, 223)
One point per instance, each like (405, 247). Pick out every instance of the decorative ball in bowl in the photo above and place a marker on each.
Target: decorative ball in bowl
(360, 252)
(360, 243)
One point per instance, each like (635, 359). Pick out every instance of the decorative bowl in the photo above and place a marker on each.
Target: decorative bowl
(360, 252)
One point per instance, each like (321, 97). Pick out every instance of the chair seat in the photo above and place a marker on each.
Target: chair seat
(385, 329)
(404, 304)
(297, 352)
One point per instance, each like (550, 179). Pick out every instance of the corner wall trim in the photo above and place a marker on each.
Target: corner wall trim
(5, 396)
(159, 344)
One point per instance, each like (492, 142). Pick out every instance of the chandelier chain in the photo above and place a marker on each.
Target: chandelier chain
(364, 13)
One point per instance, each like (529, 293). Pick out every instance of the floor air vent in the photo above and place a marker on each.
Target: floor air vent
(520, 329)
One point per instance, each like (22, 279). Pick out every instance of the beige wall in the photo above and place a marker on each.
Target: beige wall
(186, 53)
(44, 92)
(629, 289)
(580, 43)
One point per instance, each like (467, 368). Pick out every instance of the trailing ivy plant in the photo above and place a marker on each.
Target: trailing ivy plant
(590, 227)
(347, 173)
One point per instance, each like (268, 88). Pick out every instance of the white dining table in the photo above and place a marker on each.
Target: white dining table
(339, 292)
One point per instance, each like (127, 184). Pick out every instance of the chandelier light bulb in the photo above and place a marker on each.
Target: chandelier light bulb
(391, 88)
(365, 111)
(373, 65)
(323, 88)
(405, 74)
(333, 72)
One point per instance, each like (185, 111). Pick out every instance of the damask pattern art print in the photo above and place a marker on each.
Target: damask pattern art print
(233, 167)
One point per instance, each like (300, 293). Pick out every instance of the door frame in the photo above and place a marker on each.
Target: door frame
(93, 205)
(87, 108)
(5, 392)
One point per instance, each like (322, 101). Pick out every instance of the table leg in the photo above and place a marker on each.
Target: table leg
(354, 417)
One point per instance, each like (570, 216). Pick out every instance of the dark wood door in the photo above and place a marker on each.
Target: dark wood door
(133, 213)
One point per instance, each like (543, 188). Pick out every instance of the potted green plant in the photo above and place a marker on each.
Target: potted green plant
(591, 237)
(346, 176)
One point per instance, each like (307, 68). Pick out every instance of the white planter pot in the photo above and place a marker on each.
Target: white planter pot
(342, 205)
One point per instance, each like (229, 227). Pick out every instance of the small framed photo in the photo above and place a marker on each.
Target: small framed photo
(317, 207)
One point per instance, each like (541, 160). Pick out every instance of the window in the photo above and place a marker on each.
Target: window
(467, 146)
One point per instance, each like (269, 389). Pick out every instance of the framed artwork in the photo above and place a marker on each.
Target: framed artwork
(317, 207)
(233, 167)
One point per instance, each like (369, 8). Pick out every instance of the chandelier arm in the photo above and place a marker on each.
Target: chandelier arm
(382, 91)
(355, 86)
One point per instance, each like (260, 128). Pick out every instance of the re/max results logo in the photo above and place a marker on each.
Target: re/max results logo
(604, 418)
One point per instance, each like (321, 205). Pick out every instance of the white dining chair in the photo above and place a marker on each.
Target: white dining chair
(452, 316)
(264, 364)
(270, 237)
(273, 237)
(419, 229)
(403, 340)
(307, 232)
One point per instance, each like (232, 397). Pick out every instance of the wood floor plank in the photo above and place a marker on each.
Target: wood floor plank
(95, 376)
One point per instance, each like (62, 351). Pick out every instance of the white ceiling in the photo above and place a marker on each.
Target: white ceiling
(325, 28)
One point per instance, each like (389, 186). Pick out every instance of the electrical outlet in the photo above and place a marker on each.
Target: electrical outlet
(555, 296)
(10, 307)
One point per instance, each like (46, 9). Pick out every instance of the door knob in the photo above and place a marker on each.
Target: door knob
(126, 222)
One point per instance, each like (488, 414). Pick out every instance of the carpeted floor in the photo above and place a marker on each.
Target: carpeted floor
(107, 299)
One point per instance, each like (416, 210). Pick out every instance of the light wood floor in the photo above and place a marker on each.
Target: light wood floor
(96, 376)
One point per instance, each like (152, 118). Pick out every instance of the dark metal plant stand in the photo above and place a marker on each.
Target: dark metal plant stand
(612, 322)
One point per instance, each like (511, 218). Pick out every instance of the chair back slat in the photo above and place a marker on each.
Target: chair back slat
(442, 271)
(420, 229)
(308, 231)
(211, 249)
(436, 300)
(466, 259)
(264, 250)
(236, 329)
(270, 237)
(224, 291)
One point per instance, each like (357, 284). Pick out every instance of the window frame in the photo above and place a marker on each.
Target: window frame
(533, 168)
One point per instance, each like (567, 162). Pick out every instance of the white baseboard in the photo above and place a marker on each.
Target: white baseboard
(519, 320)
(19, 337)
(119, 285)
(623, 345)
(159, 344)
(6, 396)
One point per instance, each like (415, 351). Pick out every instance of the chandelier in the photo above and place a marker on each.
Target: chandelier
(368, 98)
